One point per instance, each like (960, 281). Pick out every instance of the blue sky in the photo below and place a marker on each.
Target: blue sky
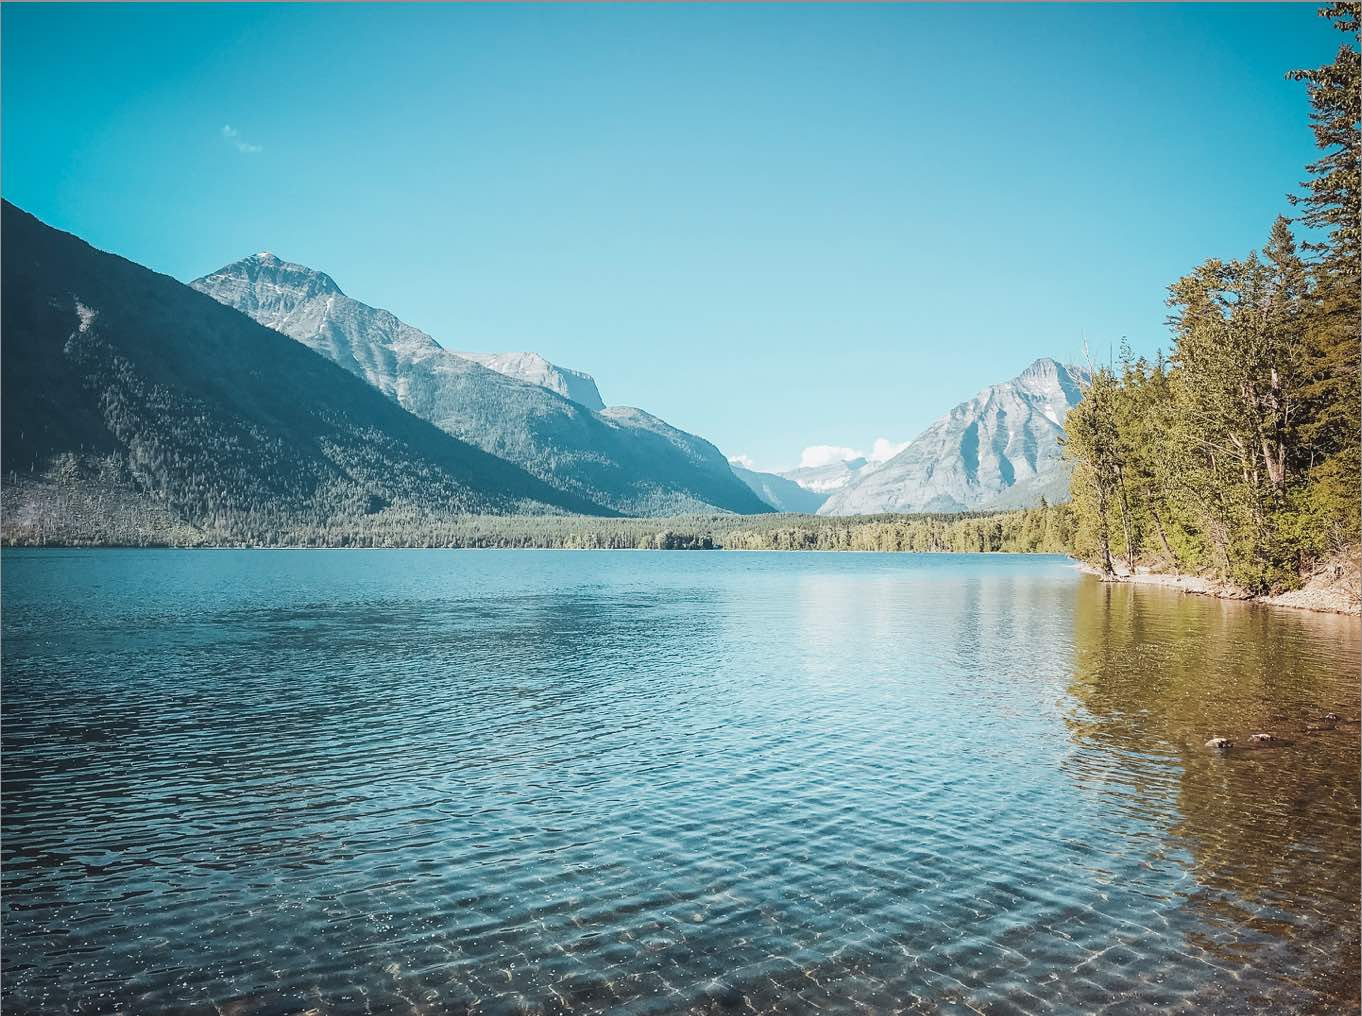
(775, 226)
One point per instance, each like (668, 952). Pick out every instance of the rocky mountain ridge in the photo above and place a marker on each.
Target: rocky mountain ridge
(132, 395)
(623, 459)
(1000, 449)
(532, 368)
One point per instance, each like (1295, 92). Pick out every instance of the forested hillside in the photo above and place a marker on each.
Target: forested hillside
(136, 409)
(1237, 455)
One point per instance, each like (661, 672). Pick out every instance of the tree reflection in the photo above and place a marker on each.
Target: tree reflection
(1271, 832)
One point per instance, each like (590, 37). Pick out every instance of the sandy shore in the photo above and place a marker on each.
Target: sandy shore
(1333, 588)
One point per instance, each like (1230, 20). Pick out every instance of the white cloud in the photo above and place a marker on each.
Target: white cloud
(742, 460)
(883, 450)
(826, 455)
(234, 138)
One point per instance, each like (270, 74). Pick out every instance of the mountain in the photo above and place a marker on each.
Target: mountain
(826, 478)
(621, 458)
(781, 494)
(998, 450)
(534, 369)
(126, 391)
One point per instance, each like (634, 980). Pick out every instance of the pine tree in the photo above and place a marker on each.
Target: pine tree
(1092, 440)
(1329, 509)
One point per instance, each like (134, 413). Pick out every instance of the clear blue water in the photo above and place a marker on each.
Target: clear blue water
(537, 781)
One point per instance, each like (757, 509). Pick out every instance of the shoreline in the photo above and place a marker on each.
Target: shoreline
(527, 546)
(1318, 595)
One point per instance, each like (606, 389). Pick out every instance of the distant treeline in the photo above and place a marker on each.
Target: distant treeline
(71, 507)
(1044, 530)
(1239, 454)
(1035, 530)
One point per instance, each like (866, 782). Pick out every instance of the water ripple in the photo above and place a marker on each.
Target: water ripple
(410, 782)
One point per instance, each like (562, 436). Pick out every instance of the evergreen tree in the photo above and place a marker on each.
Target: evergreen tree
(1328, 511)
(1092, 440)
(1331, 198)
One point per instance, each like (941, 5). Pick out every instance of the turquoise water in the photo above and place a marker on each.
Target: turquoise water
(537, 781)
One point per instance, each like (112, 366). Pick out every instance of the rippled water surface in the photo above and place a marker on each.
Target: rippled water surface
(272, 781)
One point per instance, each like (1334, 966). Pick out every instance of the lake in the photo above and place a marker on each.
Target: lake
(538, 781)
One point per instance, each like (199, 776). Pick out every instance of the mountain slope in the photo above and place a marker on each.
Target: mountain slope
(113, 372)
(624, 459)
(534, 369)
(781, 494)
(998, 450)
(826, 478)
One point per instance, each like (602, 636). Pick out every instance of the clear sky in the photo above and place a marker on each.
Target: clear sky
(775, 226)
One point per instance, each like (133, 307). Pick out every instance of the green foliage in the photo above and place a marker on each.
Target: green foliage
(1239, 457)
(1331, 198)
(1329, 507)
(1093, 441)
(1046, 529)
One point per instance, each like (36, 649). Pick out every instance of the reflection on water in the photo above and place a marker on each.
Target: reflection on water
(1270, 833)
(534, 781)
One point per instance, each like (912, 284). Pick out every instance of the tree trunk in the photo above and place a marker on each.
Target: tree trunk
(1274, 461)
(1163, 537)
(1102, 531)
(1125, 520)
